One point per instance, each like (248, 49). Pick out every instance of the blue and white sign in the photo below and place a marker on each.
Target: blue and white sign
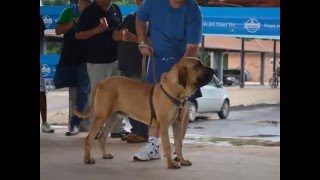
(242, 22)
(48, 64)
(225, 21)
(51, 14)
(252, 25)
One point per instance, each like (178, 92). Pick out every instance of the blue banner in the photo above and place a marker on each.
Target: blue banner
(50, 15)
(242, 22)
(235, 21)
(48, 64)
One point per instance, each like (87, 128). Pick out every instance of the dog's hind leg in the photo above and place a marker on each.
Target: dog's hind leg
(97, 123)
(109, 126)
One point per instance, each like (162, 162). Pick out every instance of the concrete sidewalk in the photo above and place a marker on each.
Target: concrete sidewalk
(61, 158)
(253, 95)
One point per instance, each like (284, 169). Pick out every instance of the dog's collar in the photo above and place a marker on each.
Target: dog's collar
(174, 100)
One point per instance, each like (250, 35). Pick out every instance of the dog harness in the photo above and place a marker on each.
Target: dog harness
(177, 102)
(180, 104)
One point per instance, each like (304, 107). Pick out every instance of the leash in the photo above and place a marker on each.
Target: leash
(153, 112)
(144, 69)
(143, 78)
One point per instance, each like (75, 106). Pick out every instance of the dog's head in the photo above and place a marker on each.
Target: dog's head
(187, 76)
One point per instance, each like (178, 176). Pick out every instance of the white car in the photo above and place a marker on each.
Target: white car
(214, 99)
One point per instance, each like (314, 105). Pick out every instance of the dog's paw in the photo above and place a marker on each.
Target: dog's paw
(174, 165)
(107, 156)
(89, 161)
(185, 162)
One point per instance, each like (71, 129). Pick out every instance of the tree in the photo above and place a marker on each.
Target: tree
(124, 2)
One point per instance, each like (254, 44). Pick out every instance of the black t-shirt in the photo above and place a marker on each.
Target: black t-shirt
(101, 47)
(73, 51)
(129, 56)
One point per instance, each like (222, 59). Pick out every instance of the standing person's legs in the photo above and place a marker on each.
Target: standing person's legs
(98, 72)
(151, 149)
(45, 127)
(118, 131)
(139, 130)
(82, 93)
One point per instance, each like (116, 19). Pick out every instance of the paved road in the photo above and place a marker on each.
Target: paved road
(260, 122)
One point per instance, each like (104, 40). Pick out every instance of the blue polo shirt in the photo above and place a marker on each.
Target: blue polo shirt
(171, 29)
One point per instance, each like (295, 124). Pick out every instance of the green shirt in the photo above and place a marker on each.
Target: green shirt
(73, 51)
(68, 15)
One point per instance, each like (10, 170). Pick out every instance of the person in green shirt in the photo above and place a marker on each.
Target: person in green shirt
(71, 70)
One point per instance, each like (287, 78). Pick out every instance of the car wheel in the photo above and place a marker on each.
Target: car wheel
(225, 109)
(192, 111)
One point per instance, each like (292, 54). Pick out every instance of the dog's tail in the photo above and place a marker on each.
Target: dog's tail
(87, 114)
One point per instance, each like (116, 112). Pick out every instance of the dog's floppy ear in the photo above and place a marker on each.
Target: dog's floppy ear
(183, 76)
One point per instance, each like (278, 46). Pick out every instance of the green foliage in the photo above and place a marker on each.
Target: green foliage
(54, 47)
(206, 57)
(55, 2)
(125, 2)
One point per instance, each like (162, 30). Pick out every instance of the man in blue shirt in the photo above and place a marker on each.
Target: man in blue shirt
(175, 31)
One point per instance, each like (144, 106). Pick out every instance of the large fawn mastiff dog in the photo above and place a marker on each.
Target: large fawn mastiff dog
(160, 105)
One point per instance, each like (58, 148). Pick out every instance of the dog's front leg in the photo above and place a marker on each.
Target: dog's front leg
(177, 128)
(166, 144)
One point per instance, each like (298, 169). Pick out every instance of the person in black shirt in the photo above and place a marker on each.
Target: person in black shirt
(71, 70)
(102, 49)
(129, 58)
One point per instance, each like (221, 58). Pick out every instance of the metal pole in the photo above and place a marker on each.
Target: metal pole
(202, 48)
(212, 59)
(242, 64)
(262, 66)
(274, 55)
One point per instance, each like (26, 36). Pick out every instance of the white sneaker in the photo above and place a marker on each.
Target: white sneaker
(46, 127)
(148, 152)
(173, 151)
